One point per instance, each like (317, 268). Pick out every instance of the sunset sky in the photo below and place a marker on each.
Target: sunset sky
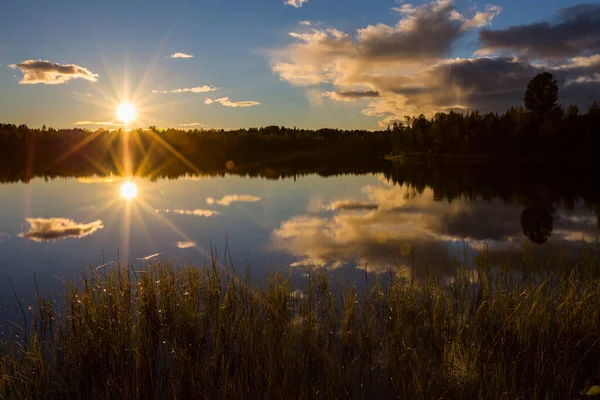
(307, 63)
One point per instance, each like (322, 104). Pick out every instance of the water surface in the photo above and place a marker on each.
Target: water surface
(381, 219)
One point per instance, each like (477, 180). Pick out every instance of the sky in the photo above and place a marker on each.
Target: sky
(351, 64)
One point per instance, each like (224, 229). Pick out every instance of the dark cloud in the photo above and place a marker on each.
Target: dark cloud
(352, 205)
(51, 73)
(352, 95)
(575, 31)
(43, 229)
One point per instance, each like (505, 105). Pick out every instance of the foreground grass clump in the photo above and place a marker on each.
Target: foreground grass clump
(182, 332)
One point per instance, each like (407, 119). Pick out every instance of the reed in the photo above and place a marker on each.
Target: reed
(489, 332)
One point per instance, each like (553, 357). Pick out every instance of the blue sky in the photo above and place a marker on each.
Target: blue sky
(245, 50)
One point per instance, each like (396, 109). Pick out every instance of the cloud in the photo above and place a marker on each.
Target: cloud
(480, 19)
(233, 198)
(96, 123)
(97, 179)
(197, 89)
(44, 229)
(228, 103)
(574, 31)
(181, 55)
(197, 212)
(151, 256)
(305, 23)
(192, 124)
(352, 95)
(51, 73)
(186, 244)
(295, 3)
(352, 205)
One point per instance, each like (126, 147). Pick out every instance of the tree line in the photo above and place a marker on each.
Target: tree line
(541, 128)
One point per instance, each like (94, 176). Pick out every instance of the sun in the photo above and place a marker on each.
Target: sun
(126, 112)
(129, 190)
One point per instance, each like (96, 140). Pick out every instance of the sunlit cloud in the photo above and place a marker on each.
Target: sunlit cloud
(233, 198)
(45, 229)
(98, 179)
(181, 55)
(196, 212)
(151, 256)
(228, 103)
(197, 89)
(51, 73)
(192, 124)
(295, 3)
(186, 244)
(404, 69)
(104, 123)
(305, 23)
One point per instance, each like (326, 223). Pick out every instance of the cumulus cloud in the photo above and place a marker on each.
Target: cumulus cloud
(181, 55)
(186, 244)
(233, 198)
(574, 31)
(295, 3)
(45, 229)
(196, 212)
(197, 89)
(228, 103)
(403, 69)
(50, 73)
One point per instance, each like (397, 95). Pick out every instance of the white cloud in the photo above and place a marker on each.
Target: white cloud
(233, 198)
(295, 3)
(45, 229)
(197, 89)
(186, 244)
(151, 256)
(51, 73)
(181, 55)
(224, 101)
(197, 212)
(305, 23)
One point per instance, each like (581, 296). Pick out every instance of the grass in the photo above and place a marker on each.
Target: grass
(491, 332)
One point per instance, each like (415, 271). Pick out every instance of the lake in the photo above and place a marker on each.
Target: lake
(390, 216)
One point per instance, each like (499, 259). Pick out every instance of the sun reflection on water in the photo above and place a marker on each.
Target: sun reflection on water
(129, 190)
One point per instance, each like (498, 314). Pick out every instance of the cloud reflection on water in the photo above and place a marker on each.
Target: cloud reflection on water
(46, 229)
(395, 227)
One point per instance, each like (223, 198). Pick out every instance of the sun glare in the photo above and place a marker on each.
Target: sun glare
(129, 190)
(126, 112)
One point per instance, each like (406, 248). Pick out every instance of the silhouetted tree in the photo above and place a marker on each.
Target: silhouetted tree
(537, 224)
(541, 96)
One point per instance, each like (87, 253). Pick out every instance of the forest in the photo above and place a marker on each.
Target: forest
(539, 131)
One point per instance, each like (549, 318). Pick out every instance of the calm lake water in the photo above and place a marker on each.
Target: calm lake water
(346, 223)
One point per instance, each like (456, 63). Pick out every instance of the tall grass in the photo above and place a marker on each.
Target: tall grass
(491, 332)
